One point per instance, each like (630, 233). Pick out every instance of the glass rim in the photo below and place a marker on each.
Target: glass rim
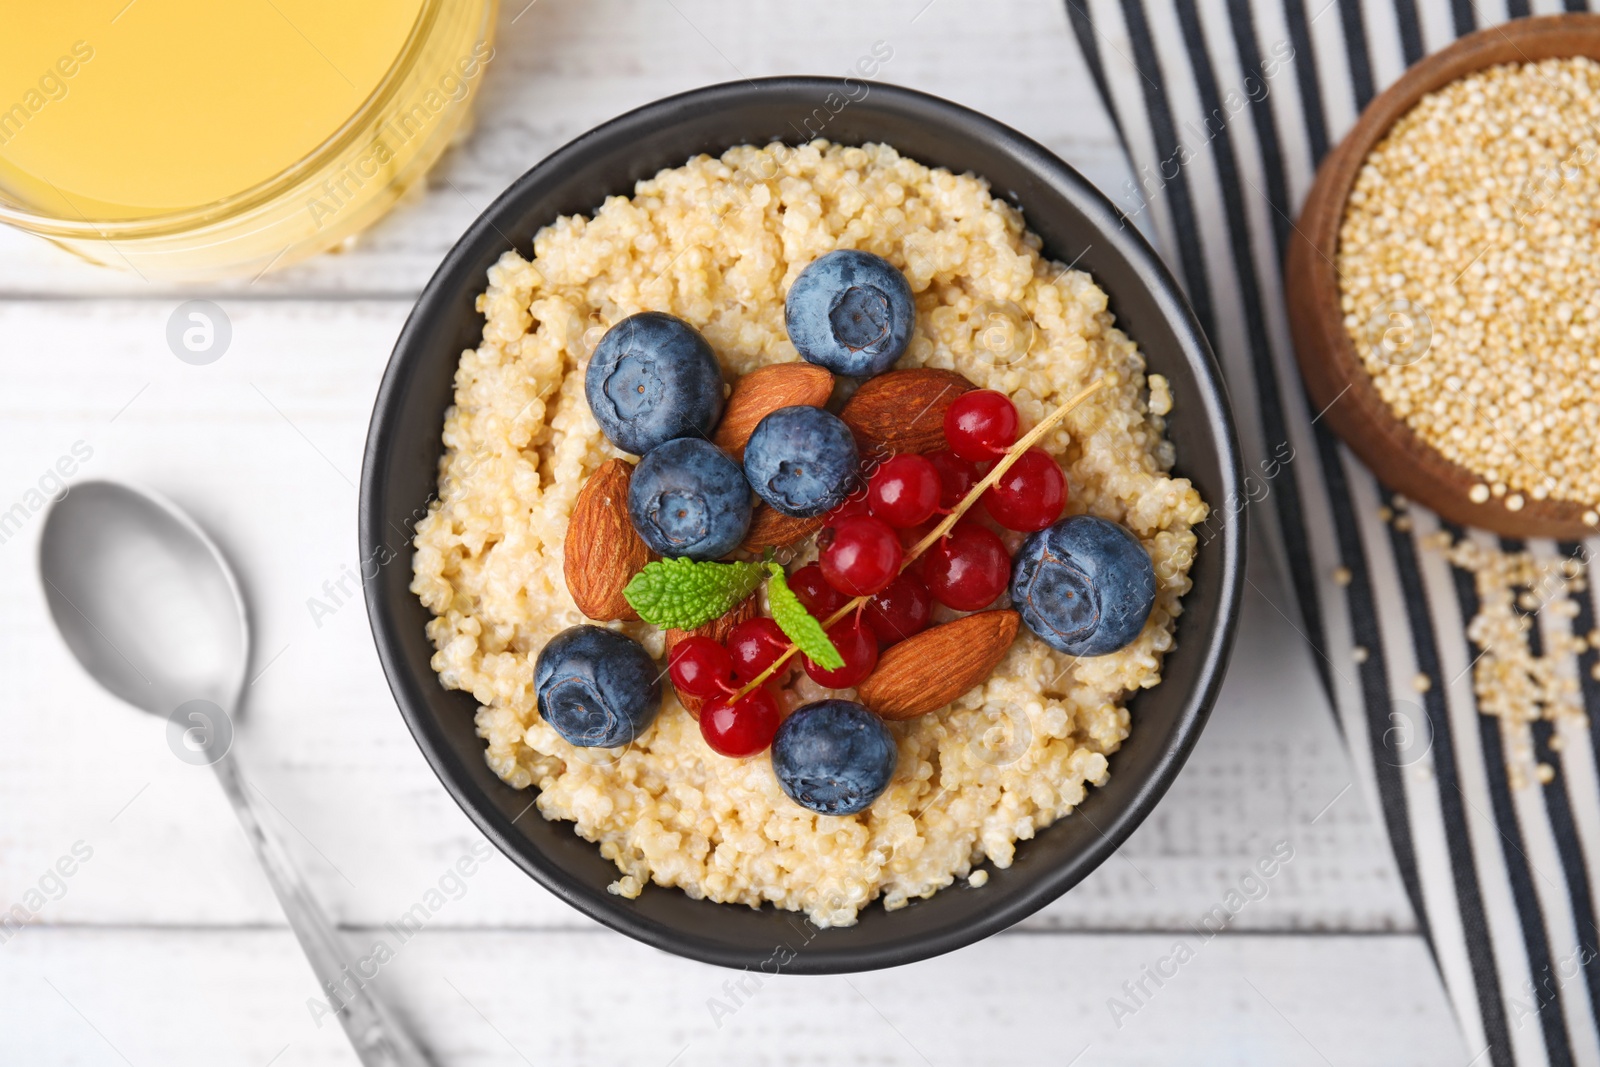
(264, 191)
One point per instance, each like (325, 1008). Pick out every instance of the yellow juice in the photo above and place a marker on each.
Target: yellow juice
(152, 118)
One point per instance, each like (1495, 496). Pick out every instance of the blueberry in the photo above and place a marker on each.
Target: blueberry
(834, 757)
(597, 688)
(688, 498)
(1084, 585)
(851, 312)
(653, 378)
(802, 461)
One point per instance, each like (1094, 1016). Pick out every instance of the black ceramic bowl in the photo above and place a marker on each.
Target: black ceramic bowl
(1077, 224)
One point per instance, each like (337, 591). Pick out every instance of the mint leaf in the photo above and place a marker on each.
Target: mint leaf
(798, 624)
(685, 593)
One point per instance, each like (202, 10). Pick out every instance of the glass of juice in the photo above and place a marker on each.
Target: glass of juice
(194, 139)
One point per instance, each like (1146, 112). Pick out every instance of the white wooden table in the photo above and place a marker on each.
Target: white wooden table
(166, 946)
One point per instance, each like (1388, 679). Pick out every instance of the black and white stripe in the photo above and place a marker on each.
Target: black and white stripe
(1501, 874)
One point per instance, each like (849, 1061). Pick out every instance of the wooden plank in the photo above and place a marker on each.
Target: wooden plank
(119, 997)
(259, 446)
(561, 68)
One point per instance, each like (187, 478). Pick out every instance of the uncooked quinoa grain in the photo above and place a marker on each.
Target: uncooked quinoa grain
(718, 242)
(1512, 681)
(1469, 264)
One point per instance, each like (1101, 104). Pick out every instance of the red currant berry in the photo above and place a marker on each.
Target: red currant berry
(980, 425)
(811, 586)
(957, 476)
(912, 536)
(700, 667)
(862, 557)
(755, 645)
(905, 607)
(854, 504)
(743, 727)
(968, 568)
(904, 490)
(1029, 495)
(859, 648)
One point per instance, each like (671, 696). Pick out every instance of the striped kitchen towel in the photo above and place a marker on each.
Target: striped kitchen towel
(1491, 803)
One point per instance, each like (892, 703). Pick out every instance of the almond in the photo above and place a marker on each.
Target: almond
(926, 672)
(765, 390)
(603, 551)
(718, 630)
(903, 411)
(771, 528)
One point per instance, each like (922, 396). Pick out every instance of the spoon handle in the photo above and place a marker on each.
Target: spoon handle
(378, 1039)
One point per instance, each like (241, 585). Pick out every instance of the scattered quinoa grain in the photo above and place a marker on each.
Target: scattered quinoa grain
(1422, 683)
(979, 878)
(1342, 576)
(1359, 653)
(1546, 773)
(1478, 494)
(1511, 682)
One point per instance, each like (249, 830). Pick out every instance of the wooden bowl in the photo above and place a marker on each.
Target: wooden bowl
(1335, 378)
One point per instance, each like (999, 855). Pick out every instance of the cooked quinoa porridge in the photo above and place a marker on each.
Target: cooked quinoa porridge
(718, 242)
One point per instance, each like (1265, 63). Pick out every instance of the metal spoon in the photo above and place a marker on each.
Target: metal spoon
(148, 605)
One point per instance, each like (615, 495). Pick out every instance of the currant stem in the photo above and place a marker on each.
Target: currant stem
(1012, 454)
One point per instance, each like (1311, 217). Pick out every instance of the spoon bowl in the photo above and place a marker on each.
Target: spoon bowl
(144, 598)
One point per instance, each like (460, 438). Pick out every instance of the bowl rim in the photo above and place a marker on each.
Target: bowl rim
(1213, 410)
(1330, 366)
